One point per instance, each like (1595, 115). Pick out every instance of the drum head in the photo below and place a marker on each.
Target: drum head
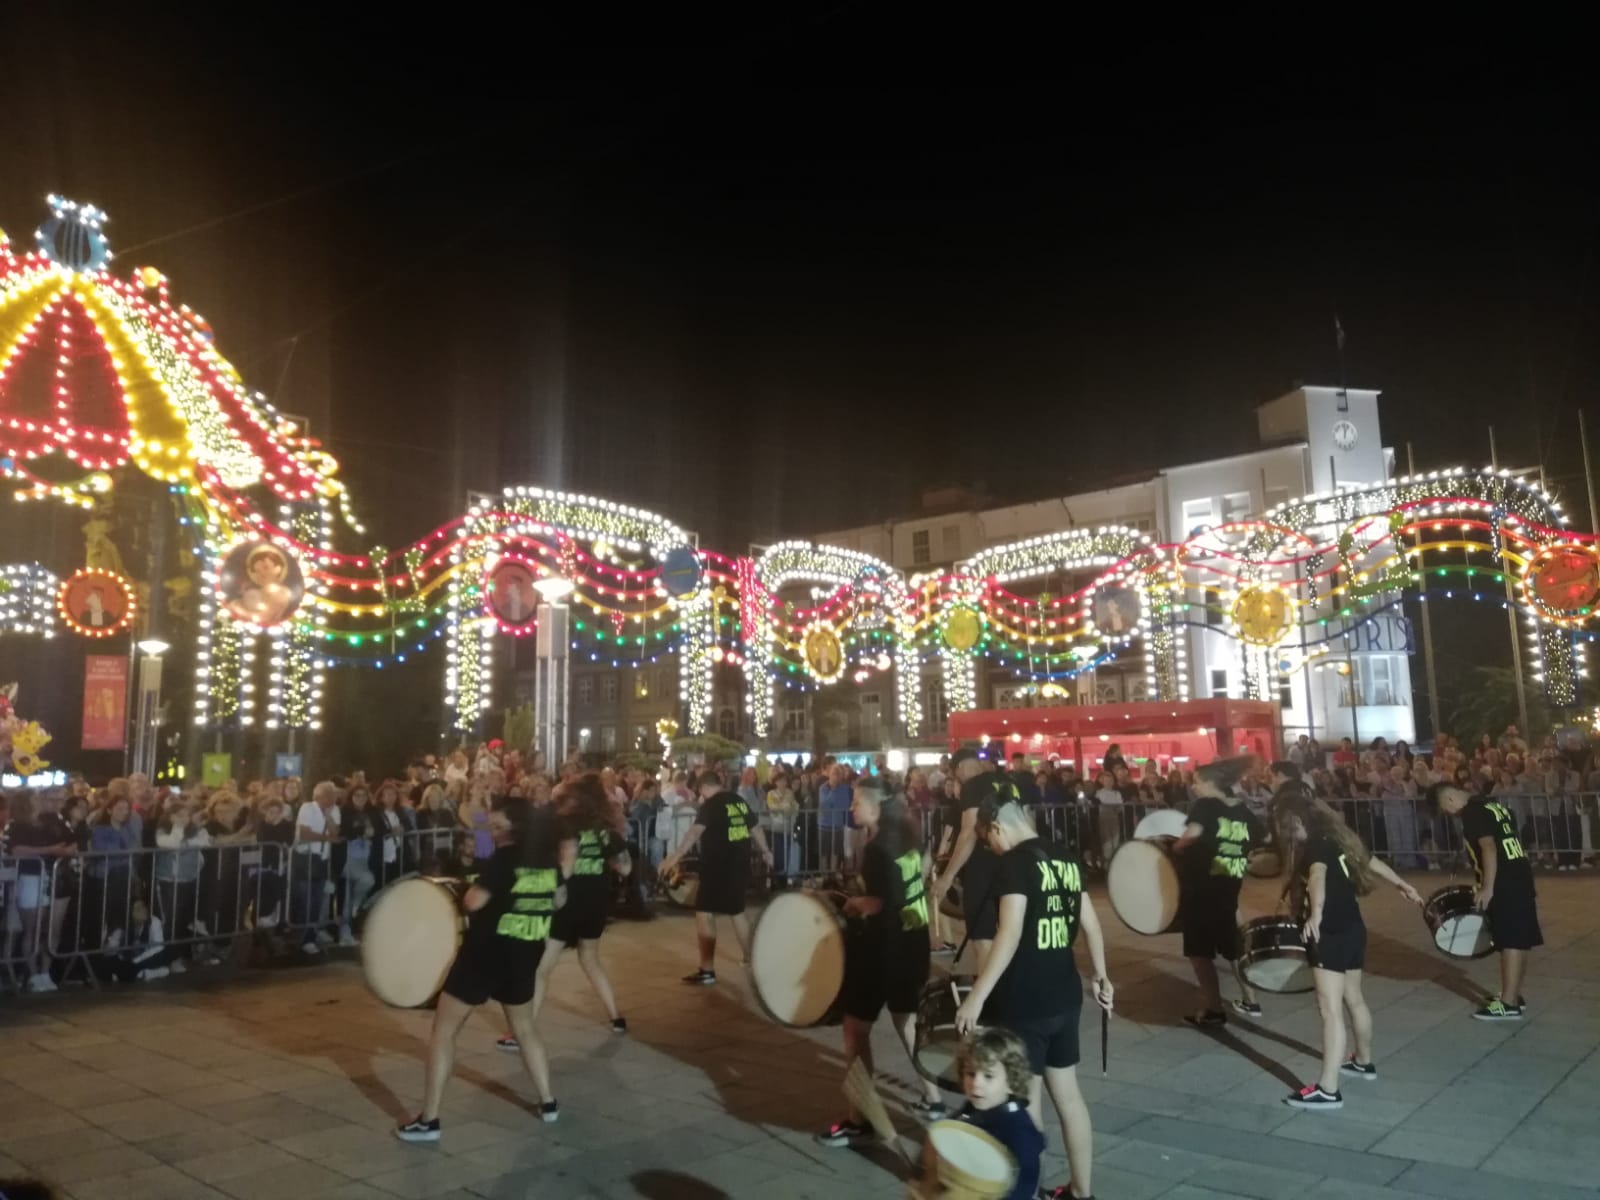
(1164, 822)
(970, 1160)
(1464, 935)
(1265, 864)
(938, 1045)
(409, 941)
(1283, 973)
(797, 958)
(684, 889)
(1143, 884)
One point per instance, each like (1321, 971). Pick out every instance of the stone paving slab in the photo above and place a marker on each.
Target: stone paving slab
(287, 1083)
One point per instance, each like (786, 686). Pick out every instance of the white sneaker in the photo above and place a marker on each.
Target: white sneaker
(311, 948)
(179, 967)
(42, 983)
(324, 938)
(153, 973)
(270, 921)
(348, 939)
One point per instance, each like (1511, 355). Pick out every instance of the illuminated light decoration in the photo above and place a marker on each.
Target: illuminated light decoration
(28, 599)
(824, 653)
(961, 626)
(1562, 582)
(1262, 615)
(510, 595)
(91, 595)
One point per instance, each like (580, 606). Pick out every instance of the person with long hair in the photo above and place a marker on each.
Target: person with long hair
(886, 946)
(1329, 869)
(591, 815)
(511, 907)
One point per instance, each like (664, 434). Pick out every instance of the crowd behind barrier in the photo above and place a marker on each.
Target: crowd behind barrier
(134, 882)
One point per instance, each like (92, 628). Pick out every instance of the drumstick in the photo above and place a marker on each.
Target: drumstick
(1105, 1037)
(860, 1090)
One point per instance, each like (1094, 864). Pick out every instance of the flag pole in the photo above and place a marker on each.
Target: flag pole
(1511, 614)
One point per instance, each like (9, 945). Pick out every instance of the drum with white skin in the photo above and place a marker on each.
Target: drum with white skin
(1272, 956)
(797, 957)
(936, 1046)
(1142, 882)
(1458, 928)
(968, 1164)
(411, 936)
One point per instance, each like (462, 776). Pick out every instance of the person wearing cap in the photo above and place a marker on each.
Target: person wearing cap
(971, 859)
(1029, 982)
(886, 946)
(1212, 861)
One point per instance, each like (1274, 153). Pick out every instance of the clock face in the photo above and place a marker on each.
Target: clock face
(1344, 435)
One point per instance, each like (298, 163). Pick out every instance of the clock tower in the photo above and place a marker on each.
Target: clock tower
(1340, 429)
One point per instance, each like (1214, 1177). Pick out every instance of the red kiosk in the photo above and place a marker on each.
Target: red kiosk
(1189, 732)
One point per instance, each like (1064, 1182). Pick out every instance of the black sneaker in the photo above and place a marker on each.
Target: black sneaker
(929, 1110)
(1313, 1097)
(1246, 1008)
(549, 1112)
(843, 1133)
(1499, 1010)
(1359, 1070)
(418, 1130)
(509, 1044)
(1210, 1019)
(620, 1025)
(701, 976)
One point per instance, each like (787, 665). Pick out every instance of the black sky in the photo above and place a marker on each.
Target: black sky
(773, 278)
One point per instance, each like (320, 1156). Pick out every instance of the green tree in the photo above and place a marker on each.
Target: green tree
(1486, 702)
(520, 727)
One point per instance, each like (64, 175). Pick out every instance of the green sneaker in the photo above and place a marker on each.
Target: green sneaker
(1498, 1010)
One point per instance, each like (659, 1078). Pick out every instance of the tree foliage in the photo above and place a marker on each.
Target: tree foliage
(1487, 703)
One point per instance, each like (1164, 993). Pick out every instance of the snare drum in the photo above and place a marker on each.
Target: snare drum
(937, 1044)
(1142, 881)
(968, 1163)
(797, 958)
(1458, 928)
(1272, 956)
(411, 937)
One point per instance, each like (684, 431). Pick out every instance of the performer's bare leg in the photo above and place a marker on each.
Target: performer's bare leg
(705, 932)
(521, 1019)
(905, 1024)
(1077, 1133)
(857, 1044)
(448, 1018)
(541, 978)
(589, 960)
(1205, 974)
(741, 931)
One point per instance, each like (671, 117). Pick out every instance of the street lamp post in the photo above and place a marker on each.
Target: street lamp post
(146, 735)
(551, 680)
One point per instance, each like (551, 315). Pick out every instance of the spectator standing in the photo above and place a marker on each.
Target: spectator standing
(315, 831)
(782, 808)
(108, 880)
(357, 879)
(37, 843)
(833, 806)
(386, 857)
(182, 838)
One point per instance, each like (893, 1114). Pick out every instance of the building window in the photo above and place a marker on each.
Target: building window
(1285, 692)
(1235, 507)
(1219, 683)
(1196, 514)
(608, 739)
(641, 737)
(608, 692)
(583, 692)
(641, 685)
(1372, 681)
(935, 710)
(796, 719)
(921, 549)
(727, 723)
(950, 542)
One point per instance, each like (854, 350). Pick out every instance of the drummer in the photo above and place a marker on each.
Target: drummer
(1329, 869)
(886, 946)
(511, 906)
(1211, 869)
(723, 828)
(1030, 981)
(1505, 892)
(971, 859)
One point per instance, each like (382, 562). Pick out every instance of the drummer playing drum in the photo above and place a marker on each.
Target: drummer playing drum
(886, 946)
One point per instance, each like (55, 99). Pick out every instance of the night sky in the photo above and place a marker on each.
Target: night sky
(772, 279)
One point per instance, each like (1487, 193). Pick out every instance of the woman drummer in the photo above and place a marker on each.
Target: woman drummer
(886, 946)
(511, 906)
(597, 824)
(1328, 869)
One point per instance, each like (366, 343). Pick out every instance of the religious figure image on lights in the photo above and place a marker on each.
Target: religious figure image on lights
(261, 583)
(511, 595)
(1116, 610)
(95, 603)
(824, 655)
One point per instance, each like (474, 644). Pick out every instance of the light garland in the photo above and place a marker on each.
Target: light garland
(95, 579)
(28, 599)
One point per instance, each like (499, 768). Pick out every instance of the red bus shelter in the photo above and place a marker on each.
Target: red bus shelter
(1189, 732)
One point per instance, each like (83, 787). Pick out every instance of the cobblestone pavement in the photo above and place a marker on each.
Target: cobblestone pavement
(286, 1083)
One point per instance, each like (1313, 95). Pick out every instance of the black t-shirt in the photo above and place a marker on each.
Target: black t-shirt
(33, 834)
(522, 899)
(1042, 979)
(1340, 908)
(893, 873)
(977, 877)
(1227, 831)
(1486, 819)
(596, 848)
(725, 844)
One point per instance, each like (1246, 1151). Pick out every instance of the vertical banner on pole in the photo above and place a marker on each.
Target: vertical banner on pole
(105, 702)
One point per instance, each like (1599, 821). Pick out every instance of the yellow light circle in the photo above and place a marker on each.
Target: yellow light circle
(962, 630)
(1262, 615)
(824, 654)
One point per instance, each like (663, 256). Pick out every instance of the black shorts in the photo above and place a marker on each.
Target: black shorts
(875, 979)
(980, 911)
(1514, 922)
(1051, 1041)
(1339, 950)
(1210, 917)
(583, 916)
(722, 892)
(502, 972)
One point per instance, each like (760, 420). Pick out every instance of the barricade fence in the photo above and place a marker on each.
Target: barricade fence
(112, 915)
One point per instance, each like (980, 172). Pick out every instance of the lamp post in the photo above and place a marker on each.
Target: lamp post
(146, 727)
(551, 681)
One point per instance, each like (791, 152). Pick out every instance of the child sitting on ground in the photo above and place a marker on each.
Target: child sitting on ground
(994, 1077)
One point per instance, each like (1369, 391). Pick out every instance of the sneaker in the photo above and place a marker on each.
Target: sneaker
(179, 967)
(1359, 1070)
(348, 939)
(929, 1110)
(843, 1133)
(42, 983)
(549, 1112)
(1313, 1097)
(1209, 1019)
(418, 1130)
(1499, 1010)
(1064, 1192)
(1246, 1008)
(701, 976)
(324, 937)
(620, 1025)
(152, 973)
(311, 948)
(270, 921)
(944, 948)
(509, 1044)
(211, 960)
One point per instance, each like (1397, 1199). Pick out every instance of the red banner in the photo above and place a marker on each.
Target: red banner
(105, 702)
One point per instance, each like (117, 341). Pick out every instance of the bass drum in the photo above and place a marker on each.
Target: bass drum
(1272, 956)
(683, 888)
(797, 958)
(1163, 822)
(1458, 928)
(1142, 882)
(937, 1045)
(968, 1164)
(411, 937)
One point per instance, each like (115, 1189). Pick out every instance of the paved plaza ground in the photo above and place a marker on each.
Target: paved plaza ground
(286, 1083)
